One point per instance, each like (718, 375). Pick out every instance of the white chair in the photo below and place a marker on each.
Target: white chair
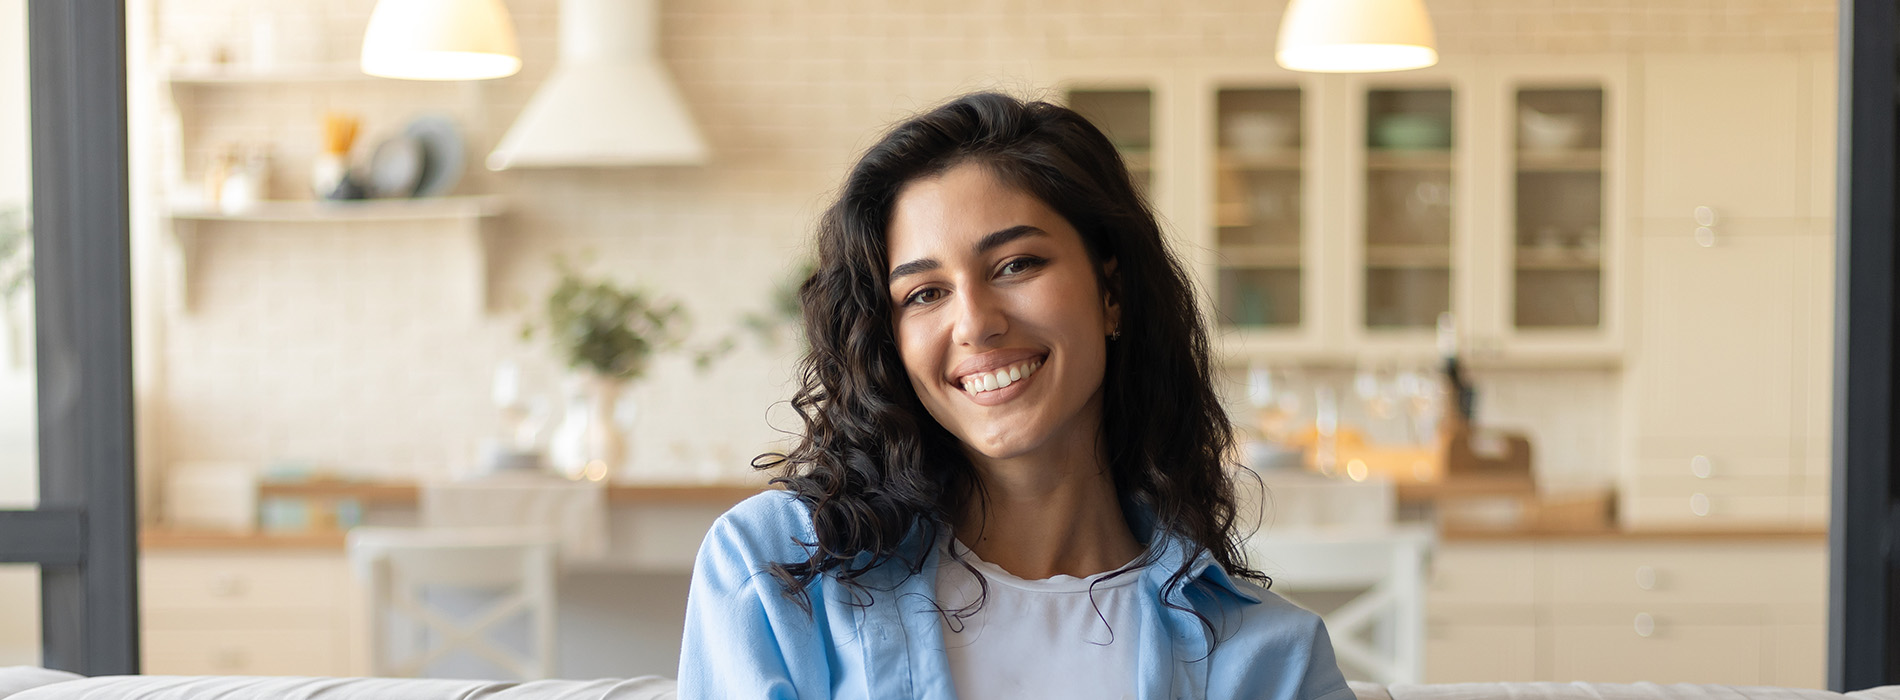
(399, 564)
(1380, 629)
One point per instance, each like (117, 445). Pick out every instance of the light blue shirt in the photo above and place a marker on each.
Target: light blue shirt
(745, 639)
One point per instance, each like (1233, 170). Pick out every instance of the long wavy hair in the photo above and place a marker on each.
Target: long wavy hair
(874, 467)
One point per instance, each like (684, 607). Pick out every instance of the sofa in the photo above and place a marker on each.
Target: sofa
(27, 683)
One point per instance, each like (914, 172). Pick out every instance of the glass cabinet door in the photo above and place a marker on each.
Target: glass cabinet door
(1557, 260)
(1408, 208)
(1126, 116)
(1257, 217)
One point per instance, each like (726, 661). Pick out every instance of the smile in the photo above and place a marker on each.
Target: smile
(983, 382)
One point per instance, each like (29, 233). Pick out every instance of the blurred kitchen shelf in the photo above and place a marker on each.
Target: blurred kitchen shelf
(467, 214)
(200, 539)
(364, 210)
(1406, 159)
(241, 75)
(1388, 256)
(1260, 256)
(407, 493)
(1286, 160)
(1577, 161)
(1465, 487)
(1532, 259)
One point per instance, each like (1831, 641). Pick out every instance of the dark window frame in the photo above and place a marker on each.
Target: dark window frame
(83, 534)
(1863, 619)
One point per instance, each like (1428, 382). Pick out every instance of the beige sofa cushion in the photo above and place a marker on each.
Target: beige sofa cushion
(290, 688)
(1601, 691)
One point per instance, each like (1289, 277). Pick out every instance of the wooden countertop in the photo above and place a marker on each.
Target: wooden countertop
(1619, 535)
(406, 493)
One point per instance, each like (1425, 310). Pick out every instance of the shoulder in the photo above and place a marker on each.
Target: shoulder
(773, 526)
(1277, 646)
(1274, 622)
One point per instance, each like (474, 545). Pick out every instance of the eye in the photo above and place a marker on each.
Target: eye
(923, 296)
(1019, 265)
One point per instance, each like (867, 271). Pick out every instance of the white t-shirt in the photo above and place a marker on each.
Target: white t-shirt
(1049, 638)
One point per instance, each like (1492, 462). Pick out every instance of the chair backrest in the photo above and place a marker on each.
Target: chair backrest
(399, 564)
(1379, 632)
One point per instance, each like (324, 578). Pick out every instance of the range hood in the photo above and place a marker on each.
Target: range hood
(608, 103)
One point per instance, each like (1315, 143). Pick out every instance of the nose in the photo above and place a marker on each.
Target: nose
(980, 317)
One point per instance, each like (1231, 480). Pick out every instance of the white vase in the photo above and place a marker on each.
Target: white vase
(590, 443)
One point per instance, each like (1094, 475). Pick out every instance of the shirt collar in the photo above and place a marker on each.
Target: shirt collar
(1170, 551)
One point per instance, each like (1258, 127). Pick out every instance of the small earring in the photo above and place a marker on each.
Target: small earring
(1115, 335)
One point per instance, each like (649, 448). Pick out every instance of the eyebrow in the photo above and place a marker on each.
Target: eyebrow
(988, 243)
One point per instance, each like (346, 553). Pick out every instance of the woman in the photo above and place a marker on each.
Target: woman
(1011, 480)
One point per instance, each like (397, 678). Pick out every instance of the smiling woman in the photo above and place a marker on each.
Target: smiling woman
(1010, 482)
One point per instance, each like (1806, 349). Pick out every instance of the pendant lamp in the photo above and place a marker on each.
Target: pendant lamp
(440, 40)
(1356, 36)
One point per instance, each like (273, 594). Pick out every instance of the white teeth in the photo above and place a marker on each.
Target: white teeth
(991, 381)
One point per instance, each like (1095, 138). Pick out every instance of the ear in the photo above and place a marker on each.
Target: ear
(1111, 295)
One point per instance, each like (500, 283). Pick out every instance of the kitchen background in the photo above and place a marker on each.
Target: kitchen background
(368, 349)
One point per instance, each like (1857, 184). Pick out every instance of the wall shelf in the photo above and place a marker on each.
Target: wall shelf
(240, 75)
(468, 214)
(364, 210)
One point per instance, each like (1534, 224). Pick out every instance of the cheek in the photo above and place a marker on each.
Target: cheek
(918, 351)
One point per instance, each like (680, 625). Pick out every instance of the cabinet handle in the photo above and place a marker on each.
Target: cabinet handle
(1646, 578)
(1704, 216)
(1700, 466)
(1705, 236)
(1699, 505)
(1645, 625)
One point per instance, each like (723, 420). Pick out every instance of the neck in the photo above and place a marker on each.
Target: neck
(1054, 512)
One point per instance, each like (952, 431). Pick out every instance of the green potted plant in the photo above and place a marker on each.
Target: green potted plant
(606, 333)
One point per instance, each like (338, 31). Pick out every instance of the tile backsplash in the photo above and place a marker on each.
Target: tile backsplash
(353, 345)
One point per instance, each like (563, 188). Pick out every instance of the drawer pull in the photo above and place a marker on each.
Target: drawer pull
(1699, 465)
(1646, 578)
(1645, 625)
(1704, 216)
(1699, 505)
(1705, 237)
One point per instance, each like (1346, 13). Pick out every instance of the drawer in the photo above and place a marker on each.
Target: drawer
(1459, 653)
(1701, 510)
(316, 651)
(1483, 574)
(1716, 467)
(1714, 486)
(1687, 573)
(1739, 452)
(202, 581)
(1671, 653)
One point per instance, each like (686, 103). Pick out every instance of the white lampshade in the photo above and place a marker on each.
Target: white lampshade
(440, 40)
(1356, 36)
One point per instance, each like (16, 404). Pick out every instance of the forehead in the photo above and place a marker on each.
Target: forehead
(944, 216)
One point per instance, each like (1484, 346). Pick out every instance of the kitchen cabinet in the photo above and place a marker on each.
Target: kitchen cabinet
(1729, 385)
(1334, 217)
(248, 612)
(1668, 610)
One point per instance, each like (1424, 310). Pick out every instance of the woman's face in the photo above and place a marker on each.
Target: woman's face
(1000, 320)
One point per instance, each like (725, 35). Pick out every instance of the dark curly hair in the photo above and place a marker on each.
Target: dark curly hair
(873, 465)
